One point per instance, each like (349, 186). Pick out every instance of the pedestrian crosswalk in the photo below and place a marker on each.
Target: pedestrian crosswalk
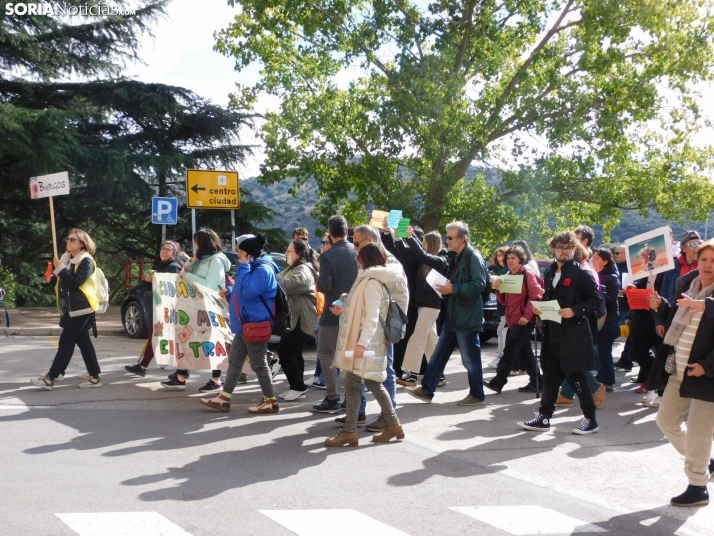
(528, 519)
(121, 524)
(344, 522)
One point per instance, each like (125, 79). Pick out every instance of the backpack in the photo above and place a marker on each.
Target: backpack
(320, 301)
(280, 315)
(98, 287)
(395, 324)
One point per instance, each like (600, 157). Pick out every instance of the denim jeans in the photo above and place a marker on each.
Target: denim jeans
(605, 339)
(470, 349)
(390, 384)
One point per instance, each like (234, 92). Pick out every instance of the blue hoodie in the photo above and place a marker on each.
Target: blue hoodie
(252, 281)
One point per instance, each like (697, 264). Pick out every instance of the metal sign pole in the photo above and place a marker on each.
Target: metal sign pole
(163, 234)
(193, 228)
(233, 229)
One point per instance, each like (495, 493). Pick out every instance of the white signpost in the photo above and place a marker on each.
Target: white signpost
(50, 186)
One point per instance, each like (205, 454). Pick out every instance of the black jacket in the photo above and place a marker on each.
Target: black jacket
(172, 266)
(578, 291)
(406, 258)
(70, 299)
(622, 300)
(610, 285)
(338, 270)
(424, 295)
(701, 388)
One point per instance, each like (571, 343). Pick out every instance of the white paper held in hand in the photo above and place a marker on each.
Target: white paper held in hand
(367, 353)
(435, 278)
(548, 310)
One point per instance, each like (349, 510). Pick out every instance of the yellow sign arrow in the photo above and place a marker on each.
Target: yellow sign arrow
(212, 189)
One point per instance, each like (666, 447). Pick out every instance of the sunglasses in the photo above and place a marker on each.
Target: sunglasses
(71, 239)
(692, 244)
(357, 243)
(450, 237)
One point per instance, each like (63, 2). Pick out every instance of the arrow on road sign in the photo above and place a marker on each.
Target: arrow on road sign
(195, 188)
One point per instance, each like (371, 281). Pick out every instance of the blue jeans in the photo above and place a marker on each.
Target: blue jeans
(470, 349)
(605, 339)
(567, 390)
(390, 384)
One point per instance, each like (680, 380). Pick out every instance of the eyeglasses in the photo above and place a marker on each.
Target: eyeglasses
(358, 242)
(450, 237)
(168, 250)
(324, 243)
(564, 248)
(71, 239)
(692, 244)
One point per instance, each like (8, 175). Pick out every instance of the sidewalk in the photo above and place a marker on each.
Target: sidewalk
(39, 321)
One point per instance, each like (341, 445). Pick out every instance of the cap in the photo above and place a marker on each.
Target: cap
(690, 235)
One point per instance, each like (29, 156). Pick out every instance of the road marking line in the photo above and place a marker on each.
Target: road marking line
(528, 519)
(330, 522)
(122, 524)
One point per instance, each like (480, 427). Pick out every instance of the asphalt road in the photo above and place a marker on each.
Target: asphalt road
(133, 459)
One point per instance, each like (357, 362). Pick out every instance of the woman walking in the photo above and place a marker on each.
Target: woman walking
(688, 357)
(167, 264)
(360, 331)
(604, 264)
(208, 267)
(255, 279)
(77, 304)
(298, 282)
(498, 267)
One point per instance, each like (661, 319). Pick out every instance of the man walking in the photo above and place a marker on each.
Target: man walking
(567, 345)
(464, 317)
(338, 270)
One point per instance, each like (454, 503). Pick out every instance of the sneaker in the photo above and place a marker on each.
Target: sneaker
(609, 389)
(266, 406)
(623, 366)
(494, 363)
(442, 382)
(91, 382)
(294, 395)
(174, 383)
(86, 376)
(418, 392)
(471, 401)
(408, 380)
(319, 385)
(361, 419)
(312, 380)
(530, 388)
(273, 364)
(586, 427)
(694, 496)
(174, 376)
(43, 382)
(654, 402)
(136, 369)
(641, 389)
(599, 396)
(563, 402)
(491, 385)
(243, 378)
(540, 423)
(210, 386)
(327, 406)
(57, 379)
(217, 402)
(377, 425)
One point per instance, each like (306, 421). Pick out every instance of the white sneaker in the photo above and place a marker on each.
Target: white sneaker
(654, 403)
(294, 395)
(286, 393)
(313, 380)
(90, 383)
(494, 363)
(649, 397)
(57, 379)
(85, 376)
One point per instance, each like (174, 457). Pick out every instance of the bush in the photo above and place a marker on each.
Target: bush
(7, 282)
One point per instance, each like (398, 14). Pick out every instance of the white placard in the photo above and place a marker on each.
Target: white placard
(548, 310)
(435, 278)
(49, 185)
(649, 253)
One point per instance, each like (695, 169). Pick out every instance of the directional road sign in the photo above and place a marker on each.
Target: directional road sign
(164, 210)
(212, 189)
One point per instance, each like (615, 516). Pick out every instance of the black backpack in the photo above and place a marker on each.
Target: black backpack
(395, 325)
(280, 315)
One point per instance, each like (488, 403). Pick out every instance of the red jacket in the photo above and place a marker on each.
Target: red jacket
(519, 305)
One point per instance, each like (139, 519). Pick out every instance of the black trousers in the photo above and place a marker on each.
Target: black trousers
(517, 353)
(291, 359)
(553, 377)
(75, 332)
(400, 348)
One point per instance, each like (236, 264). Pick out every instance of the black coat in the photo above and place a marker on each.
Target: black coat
(610, 285)
(424, 295)
(407, 259)
(578, 291)
(171, 266)
(622, 300)
(702, 387)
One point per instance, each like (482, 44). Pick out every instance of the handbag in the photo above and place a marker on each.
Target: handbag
(253, 332)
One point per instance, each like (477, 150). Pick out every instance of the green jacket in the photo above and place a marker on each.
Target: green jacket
(464, 307)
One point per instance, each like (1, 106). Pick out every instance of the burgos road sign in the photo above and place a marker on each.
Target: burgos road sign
(212, 189)
(164, 210)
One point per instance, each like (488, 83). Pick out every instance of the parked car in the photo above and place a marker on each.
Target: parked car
(136, 307)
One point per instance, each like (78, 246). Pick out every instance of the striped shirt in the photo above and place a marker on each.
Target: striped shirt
(684, 345)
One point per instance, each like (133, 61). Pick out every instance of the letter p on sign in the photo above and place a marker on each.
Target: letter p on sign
(164, 210)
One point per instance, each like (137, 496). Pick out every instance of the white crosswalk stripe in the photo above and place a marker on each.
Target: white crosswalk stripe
(330, 523)
(529, 519)
(122, 524)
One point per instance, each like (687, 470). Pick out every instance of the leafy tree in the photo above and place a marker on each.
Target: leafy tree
(390, 102)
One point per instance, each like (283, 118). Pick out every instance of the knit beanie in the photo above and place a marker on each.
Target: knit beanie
(242, 237)
(253, 246)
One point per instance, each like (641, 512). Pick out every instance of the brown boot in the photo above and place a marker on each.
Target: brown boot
(343, 439)
(599, 396)
(266, 406)
(219, 402)
(388, 433)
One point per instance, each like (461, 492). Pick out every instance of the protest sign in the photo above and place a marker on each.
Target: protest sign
(649, 253)
(377, 219)
(548, 310)
(192, 327)
(394, 217)
(403, 227)
(638, 298)
(50, 186)
(511, 284)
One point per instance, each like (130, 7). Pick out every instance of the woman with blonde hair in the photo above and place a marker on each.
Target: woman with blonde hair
(77, 302)
(427, 301)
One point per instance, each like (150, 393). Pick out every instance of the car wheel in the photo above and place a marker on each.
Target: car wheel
(133, 321)
(486, 335)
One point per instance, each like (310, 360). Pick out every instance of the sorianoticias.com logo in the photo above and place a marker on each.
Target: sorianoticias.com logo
(62, 9)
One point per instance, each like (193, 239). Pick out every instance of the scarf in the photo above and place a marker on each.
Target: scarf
(682, 318)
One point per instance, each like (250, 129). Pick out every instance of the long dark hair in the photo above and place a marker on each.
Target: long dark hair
(207, 243)
(305, 254)
(526, 249)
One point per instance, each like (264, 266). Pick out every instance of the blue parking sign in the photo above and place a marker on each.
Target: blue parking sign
(164, 210)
